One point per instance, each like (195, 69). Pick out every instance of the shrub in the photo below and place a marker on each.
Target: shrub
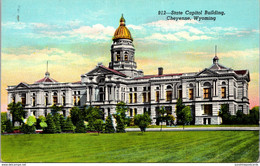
(80, 127)
(109, 128)
(9, 126)
(28, 129)
(56, 119)
(62, 121)
(98, 125)
(3, 121)
(142, 121)
(50, 125)
(68, 127)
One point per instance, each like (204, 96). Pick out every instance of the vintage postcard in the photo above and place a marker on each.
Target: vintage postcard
(109, 81)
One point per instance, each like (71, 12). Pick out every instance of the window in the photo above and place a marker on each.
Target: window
(55, 100)
(126, 58)
(149, 96)
(46, 100)
(207, 93)
(180, 94)
(157, 96)
(223, 92)
(33, 101)
(135, 88)
(130, 89)
(144, 97)
(63, 100)
(64, 113)
(78, 100)
(208, 109)
(144, 88)
(144, 110)
(135, 98)
(168, 95)
(131, 112)
(23, 100)
(74, 100)
(191, 94)
(45, 113)
(135, 111)
(13, 99)
(130, 98)
(118, 57)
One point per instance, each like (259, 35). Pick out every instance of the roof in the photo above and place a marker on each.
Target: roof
(76, 82)
(46, 79)
(217, 66)
(114, 71)
(122, 32)
(240, 72)
(153, 76)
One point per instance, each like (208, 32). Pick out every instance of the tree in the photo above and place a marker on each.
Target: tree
(142, 121)
(91, 115)
(185, 116)
(162, 112)
(56, 119)
(9, 126)
(76, 115)
(68, 127)
(62, 121)
(179, 107)
(254, 115)
(16, 109)
(3, 121)
(98, 125)
(56, 109)
(225, 114)
(51, 128)
(120, 117)
(29, 126)
(41, 122)
(80, 127)
(109, 128)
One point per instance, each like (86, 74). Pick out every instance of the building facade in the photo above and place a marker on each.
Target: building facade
(203, 91)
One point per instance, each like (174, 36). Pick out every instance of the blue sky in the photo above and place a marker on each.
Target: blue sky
(75, 35)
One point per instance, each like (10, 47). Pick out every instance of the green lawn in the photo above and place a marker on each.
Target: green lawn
(194, 126)
(177, 146)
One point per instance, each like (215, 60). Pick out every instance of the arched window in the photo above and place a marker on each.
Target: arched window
(190, 85)
(206, 84)
(223, 83)
(169, 87)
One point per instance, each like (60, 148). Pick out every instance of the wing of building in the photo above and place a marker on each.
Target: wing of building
(203, 91)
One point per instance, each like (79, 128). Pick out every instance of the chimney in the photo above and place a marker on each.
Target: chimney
(160, 71)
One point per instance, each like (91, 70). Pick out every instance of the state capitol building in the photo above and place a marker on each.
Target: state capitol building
(203, 91)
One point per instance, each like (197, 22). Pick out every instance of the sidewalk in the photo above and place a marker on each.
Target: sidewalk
(199, 129)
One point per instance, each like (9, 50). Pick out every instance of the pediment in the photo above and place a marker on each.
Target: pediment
(99, 71)
(207, 72)
(22, 85)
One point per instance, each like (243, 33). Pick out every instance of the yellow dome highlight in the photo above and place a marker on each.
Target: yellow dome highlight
(122, 32)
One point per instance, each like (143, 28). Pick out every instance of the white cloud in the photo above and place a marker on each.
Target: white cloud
(162, 37)
(134, 27)
(97, 31)
(14, 25)
(187, 36)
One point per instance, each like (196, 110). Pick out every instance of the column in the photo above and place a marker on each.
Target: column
(28, 98)
(49, 98)
(106, 93)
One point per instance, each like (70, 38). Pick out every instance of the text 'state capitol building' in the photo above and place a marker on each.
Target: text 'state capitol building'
(203, 91)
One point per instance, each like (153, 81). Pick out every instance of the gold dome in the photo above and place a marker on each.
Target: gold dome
(122, 32)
